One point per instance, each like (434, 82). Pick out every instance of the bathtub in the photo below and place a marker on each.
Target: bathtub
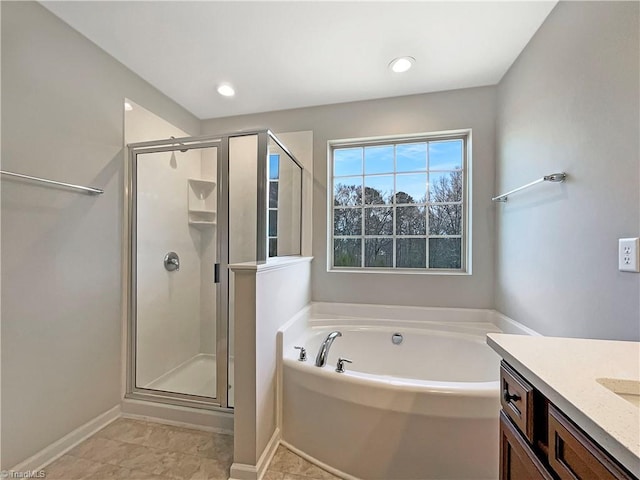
(426, 408)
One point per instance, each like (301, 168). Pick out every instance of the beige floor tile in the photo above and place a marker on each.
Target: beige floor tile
(140, 475)
(211, 469)
(219, 446)
(138, 450)
(127, 430)
(286, 461)
(180, 466)
(166, 437)
(314, 472)
(104, 450)
(150, 460)
(293, 476)
(69, 467)
(177, 439)
(115, 472)
(272, 475)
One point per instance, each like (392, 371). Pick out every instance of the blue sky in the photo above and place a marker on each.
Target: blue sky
(445, 155)
(409, 157)
(274, 164)
(347, 161)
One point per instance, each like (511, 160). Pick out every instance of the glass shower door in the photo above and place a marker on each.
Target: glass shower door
(176, 253)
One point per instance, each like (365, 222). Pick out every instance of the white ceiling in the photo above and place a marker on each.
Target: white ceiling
(281, 55)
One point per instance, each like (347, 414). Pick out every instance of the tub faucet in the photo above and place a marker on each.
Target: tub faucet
(323, 353)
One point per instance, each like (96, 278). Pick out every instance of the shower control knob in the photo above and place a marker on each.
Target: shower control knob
(340, 365)
(171, 262)
(303, 354)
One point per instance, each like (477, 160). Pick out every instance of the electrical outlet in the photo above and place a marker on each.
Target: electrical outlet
(628, 260)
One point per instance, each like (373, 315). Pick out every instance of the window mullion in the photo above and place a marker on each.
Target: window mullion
(427, 208)
(362, 204)
(394, 210)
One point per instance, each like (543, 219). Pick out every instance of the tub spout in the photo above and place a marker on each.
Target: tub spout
(323, 353)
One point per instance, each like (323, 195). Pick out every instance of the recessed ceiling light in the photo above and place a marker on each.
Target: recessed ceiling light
(226, 90)
(127, 107)
(401, 64)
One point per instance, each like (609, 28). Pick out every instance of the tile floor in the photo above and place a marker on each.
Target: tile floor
(135, 449)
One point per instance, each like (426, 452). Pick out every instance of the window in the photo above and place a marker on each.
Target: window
(399, 204)
(274, 175)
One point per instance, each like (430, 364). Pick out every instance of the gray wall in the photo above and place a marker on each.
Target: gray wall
(570, 102)
(62, 118)
(470, 108)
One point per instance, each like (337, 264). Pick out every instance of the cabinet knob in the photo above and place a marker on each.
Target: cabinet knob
(510, 396)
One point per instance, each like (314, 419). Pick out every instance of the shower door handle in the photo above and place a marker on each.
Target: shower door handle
(216, 273)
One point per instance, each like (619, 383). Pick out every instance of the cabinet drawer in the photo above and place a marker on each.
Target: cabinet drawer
(574, 456)
(517, 399)
(517, 460)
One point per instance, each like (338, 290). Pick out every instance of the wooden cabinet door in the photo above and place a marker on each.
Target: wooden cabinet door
(573, 456)
(517, 460)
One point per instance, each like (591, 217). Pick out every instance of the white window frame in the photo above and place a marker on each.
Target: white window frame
(465, 268)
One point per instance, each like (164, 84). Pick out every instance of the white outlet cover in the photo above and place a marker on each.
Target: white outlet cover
(628, 260)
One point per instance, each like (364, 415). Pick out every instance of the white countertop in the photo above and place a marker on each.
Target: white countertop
(565, 371)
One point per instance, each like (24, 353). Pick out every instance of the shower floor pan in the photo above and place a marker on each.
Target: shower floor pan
(196, 376)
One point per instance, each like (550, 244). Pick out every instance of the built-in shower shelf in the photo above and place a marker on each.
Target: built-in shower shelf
(199, 184)
(202, 202)
(202, 224)
(203, 211)
(202, 217)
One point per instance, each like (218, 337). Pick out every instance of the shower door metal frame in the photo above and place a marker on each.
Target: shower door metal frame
(220, 401)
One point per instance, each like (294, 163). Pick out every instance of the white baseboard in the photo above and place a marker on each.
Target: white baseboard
(178, 416)
(54, 451)
(267, 455)
(315, 461)
(243, 471)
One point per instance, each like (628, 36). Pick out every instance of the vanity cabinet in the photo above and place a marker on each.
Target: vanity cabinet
(538, 441)
(517, 460)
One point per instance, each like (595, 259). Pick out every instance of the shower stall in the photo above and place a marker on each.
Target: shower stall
(196, 205)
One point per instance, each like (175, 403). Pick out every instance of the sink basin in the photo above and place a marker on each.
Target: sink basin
(628, 390)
